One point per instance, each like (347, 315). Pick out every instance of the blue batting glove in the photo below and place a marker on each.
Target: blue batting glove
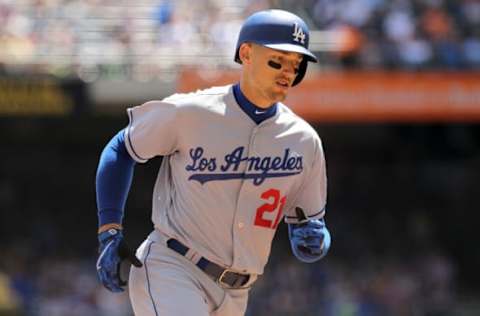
(310, 241)
(112, 251)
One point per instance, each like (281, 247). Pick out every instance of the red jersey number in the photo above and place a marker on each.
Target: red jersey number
(276, 204)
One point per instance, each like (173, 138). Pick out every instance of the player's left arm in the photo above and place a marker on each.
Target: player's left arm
(310, 240)
(309, 237)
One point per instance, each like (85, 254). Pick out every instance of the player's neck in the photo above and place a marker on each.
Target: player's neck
(253, 95)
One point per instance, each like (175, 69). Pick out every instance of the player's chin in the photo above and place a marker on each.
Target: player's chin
(280, 91)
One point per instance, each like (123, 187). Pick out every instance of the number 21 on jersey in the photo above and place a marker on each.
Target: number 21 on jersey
(274, 205)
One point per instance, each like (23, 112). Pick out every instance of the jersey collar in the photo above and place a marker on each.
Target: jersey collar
(257, 114)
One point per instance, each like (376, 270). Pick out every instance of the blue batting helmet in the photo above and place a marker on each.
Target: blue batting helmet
(277, 29)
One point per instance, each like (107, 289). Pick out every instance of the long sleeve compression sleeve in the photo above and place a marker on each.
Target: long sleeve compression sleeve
(113, 180)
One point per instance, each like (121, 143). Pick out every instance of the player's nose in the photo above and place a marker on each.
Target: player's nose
(290, 69)
(289, 72)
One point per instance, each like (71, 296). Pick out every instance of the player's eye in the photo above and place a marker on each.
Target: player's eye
(296, 68)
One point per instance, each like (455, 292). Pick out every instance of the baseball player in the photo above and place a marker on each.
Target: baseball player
(235, 162)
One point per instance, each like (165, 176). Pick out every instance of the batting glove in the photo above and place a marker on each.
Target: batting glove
(310, 241)
(112, 251)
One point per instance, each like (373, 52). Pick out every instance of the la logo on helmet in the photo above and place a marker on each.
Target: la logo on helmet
(298, 34)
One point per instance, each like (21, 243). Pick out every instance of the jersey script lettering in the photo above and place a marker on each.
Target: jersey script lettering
(258, 168)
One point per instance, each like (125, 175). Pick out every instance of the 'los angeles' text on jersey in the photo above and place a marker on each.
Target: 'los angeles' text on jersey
(258, 168)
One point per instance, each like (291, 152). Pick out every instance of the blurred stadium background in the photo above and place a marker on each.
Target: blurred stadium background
(396, 99)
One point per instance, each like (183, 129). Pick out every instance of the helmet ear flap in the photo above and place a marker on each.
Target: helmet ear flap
(237, 56)
(302, 69)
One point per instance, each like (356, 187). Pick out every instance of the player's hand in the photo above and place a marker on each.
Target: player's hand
(112, 251)
(310, 241)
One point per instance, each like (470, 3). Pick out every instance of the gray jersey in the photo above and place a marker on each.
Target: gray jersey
(225, 182)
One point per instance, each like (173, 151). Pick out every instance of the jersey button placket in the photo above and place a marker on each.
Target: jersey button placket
(241, 215)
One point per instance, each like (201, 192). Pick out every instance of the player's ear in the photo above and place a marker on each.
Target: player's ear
(245, 53)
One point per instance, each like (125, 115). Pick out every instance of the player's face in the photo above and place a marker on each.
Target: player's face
(272, 72)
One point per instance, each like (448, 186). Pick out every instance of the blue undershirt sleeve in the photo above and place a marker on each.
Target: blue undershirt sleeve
(113, 180)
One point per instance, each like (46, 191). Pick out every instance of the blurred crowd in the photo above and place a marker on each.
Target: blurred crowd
(406, 34)
(56, 286)
(422, 285)
(146, 39)
(119, 39)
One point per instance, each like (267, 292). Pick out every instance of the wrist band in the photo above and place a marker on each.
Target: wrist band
(106, 227)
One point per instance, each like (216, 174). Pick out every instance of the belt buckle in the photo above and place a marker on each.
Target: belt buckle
(228, 286)
(220, 279)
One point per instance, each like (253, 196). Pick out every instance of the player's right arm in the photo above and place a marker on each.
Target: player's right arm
(113, 180)
(151, 132)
